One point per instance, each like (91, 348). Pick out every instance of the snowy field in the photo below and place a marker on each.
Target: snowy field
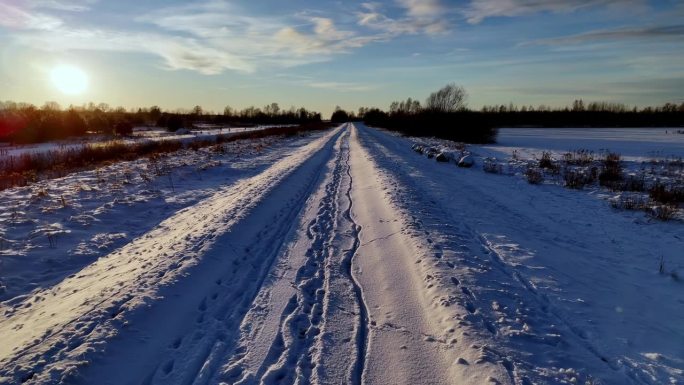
(140, 134)
(342, 257)
(633, 143)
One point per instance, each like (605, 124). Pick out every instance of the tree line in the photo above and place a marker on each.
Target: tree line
(26, 123)
(445, 114)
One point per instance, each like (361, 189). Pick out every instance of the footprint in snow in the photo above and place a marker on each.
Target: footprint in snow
(168, 367)
(470, 307)
(177, 343)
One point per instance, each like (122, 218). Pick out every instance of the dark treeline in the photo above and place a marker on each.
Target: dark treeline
(444, 114)
(460, 126)
(595, 114)
(26, 123)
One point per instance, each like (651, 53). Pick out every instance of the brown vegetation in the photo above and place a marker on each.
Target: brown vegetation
(28, 168)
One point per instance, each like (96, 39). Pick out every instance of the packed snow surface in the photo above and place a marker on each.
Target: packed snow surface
(333, 258)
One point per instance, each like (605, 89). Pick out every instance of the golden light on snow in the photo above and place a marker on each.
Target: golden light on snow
(69, 79)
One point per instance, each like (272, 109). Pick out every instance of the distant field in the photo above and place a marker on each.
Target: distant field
(630, 142)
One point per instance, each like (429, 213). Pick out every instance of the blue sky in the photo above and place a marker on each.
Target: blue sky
(321, 54)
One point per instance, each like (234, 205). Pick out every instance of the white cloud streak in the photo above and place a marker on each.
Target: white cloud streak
(478, 10)
(611, 35)
(208, 37)
(421, 16)
(15, 17)
(342, 86)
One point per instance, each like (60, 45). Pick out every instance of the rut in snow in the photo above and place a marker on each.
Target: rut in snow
(362, 335)
(302, 336)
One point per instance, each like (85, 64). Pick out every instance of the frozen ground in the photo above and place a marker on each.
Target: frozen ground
(340, 257)
(648, 157)
(140, 134)
(633, 143)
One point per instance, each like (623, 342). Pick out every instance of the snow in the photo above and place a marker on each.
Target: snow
(636, 144)
(339, 257)
(140, 134)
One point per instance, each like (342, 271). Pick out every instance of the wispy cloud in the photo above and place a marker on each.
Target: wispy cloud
(324, 38)
(212, 36)
(64, 5)
(177, 52)
(639, 33)
(17, 17)
(208, 37)
(342, 86)
(478, 10)
(421, 16)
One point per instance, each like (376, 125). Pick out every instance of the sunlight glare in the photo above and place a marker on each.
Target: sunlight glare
(69, 79)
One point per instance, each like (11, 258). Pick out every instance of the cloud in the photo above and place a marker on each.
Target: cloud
(31, 15)
(212, 36)
(208, 37)
(64, 5)
(421, 16)
(342, 86)
(259, 41)
(178, 52)
(324, 39)
(655, 90)
(478, 10)
(16, 17)
(430, 9)
(36, 27)
(640, 33)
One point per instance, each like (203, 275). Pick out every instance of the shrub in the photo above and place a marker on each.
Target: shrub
(611, 171)
(666, 195)
(123, 129)
(546, 161)
(664, 212)
(534, 175)
(629, 202)
(579, 157)
(492, 167)
(633, 183)
(197, 144)
(576, 179)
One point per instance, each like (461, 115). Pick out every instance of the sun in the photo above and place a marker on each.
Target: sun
(69, 80)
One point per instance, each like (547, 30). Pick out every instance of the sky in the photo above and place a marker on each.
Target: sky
(320, 54)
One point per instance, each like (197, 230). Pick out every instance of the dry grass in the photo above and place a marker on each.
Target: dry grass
(669, 195)
(28, 168)
(534, 175)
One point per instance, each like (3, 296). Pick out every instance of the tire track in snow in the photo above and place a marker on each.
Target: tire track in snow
(301, 328)
(86, 311)
(311, 343)
(362, 335)
(295, 331)
(410, 334)
(217, 323)
(301, 322)
(389, 150)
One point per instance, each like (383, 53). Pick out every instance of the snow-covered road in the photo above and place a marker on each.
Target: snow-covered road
(354, 261)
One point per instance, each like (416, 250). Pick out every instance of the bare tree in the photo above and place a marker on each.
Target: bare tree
(449, 98)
